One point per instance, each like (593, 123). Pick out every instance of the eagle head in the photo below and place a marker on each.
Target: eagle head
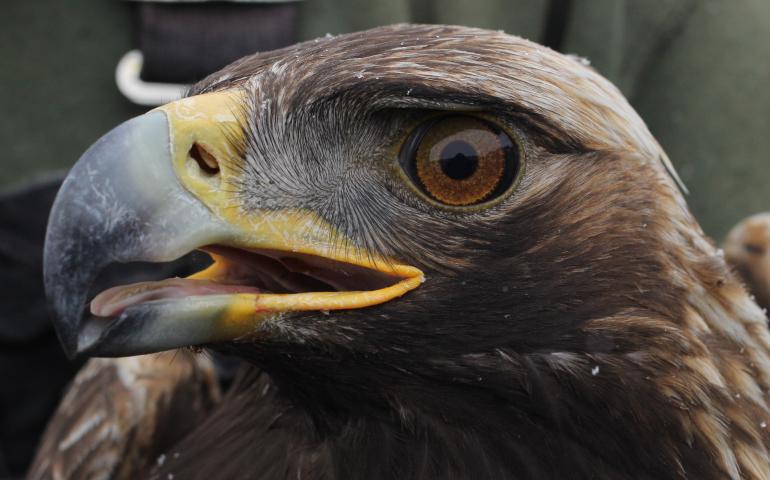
(452, 234)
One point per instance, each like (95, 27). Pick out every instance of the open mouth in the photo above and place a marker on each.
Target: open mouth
(277, 280)
(139, 197)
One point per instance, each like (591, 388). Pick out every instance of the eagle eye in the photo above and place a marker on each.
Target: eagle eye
(460, 160)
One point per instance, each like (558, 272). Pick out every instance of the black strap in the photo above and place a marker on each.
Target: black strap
(183, 42)
(556, 20)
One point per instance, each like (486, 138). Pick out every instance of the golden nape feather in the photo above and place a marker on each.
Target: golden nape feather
(120, 415)
(747, 249)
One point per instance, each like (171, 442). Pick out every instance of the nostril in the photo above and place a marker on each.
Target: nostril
(205, 160)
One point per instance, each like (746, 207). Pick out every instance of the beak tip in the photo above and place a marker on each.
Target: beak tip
(69, 344)
(66, 319)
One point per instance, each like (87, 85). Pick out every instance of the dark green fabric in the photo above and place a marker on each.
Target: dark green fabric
(57, 87)
(698, 71)
(707, 100)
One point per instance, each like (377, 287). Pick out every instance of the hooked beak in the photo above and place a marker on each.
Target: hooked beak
(151, 191)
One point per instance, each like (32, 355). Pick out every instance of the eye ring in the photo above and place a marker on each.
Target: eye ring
(461, 161)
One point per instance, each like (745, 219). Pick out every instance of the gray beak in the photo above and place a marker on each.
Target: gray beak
(122, 202)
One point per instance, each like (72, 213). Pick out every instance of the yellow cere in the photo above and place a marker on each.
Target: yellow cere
(211, 120)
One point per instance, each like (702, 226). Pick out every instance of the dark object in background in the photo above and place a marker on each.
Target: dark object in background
(23, 219)
(183, 42)
(33, 369)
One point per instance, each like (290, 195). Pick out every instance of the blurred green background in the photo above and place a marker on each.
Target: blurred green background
(698, 72)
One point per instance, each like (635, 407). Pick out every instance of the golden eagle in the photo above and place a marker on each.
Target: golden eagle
(442, 252)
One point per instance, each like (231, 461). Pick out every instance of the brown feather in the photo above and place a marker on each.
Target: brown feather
(747, 249)
(119, 415)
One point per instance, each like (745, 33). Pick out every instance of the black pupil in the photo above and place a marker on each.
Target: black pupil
(459, 160)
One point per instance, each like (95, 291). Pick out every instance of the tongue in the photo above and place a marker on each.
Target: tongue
(114, 300)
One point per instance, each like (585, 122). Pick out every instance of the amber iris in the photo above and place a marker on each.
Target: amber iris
(461, 160)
